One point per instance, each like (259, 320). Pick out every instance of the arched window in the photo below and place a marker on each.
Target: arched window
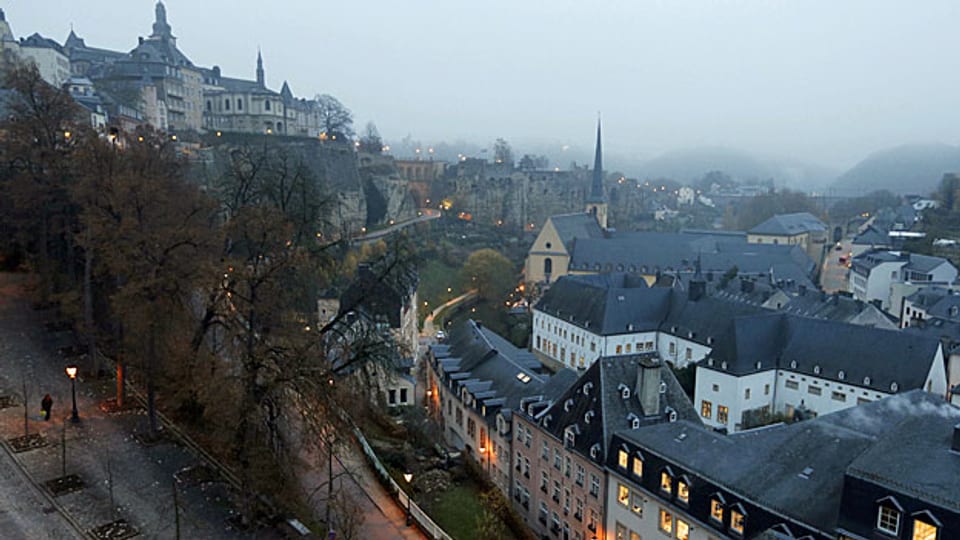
(266, 104)
(239, 104)
(279, 127)
(226, 104)
(548, 266)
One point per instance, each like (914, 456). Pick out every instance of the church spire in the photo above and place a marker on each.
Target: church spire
(161, 29)
(260, 78)
(596, 188)
(596, 202)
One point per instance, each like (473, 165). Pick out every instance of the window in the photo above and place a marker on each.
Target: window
(622, 458)
(548, 265)
(637, 466)
(746, 394)
(815, 390)
(666, 482)
(266, 105)
(683, 491)
(737, 521)
(722, 413)
(636, 503)
(579, 507)
(688, 354)
(579, 479)
(403, 395)
(239, 104)
(621, 531)
(392, 400)
(673, 348)
(226, 104)
(545, 453)
(716, 510)
(683, 530)
(766, 389)
(526, 467)
(716, 387)
(557, 459)
(623, 495)
(666, 521)
(706, 409)
(544, 480)
(543, 513)
(619, 349)
(628, 348)
(838, 396)
(888, 520)
(594, 485)
(923, 530)
(566, 466)
(793, 385)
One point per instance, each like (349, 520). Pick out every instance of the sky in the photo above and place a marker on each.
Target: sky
(822, 81)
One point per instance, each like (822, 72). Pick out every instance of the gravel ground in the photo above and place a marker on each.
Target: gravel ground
(100, 448)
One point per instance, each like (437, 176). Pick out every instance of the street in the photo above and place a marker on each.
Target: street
(833, 275)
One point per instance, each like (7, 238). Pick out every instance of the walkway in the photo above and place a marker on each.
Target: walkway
(425, 214)
(428, 328)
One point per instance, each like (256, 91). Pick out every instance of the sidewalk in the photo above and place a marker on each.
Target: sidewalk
(100, 448)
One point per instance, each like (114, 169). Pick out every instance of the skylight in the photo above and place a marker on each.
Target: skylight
(523, 377)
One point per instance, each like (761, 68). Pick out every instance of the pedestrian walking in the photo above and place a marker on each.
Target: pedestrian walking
(45, 405)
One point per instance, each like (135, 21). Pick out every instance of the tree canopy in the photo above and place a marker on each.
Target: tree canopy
(490, 273)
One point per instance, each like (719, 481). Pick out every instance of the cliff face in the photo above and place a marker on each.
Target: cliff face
(360, 190)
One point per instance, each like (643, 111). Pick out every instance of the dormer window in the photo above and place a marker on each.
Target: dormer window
(666, 481)
(866, 381)
(683, 490)
(793, 364)
(888, 515)
(634, 421)
(569, 436)
(623, 458)
(587, 416)
(738, 519)
(624, 391)
(587, 387)
(816, 370)
(894, 386)
(717, 504)
(595, 451)
(638, 465)
(842, 375)
(925, 526)
(567, 404)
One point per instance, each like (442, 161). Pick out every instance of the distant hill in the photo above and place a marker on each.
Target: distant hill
(908, 169)
(688, 165)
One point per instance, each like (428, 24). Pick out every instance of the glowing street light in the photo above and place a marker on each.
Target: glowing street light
(72, 373)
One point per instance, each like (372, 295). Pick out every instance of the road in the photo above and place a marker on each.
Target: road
(833, 275)
(425, 214)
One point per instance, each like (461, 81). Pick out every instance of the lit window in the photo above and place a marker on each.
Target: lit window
(621, 531)
(619, 349)
(923, 530)
(722, 413)
(736, 521)
(623, 495)
(666, 521)
(683, 491)
(706, 409)
(683, 530)
(666, 482)
(716, 510)
(622, 458)
(637, 466)
(888, 520)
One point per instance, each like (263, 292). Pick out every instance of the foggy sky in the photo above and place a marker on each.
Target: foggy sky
(826, 81)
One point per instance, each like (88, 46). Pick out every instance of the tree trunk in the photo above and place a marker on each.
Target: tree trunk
(88, 309)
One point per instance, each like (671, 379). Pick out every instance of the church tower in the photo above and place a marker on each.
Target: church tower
(161, 28)
(260, 78)
(596, 202)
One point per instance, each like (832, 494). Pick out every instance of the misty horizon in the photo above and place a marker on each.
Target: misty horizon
(805, 82)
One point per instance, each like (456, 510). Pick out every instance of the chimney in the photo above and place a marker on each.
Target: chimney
(140, 40)
(648, 385)
(956, 439)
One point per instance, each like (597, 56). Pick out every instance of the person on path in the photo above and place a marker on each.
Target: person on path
(45, 405)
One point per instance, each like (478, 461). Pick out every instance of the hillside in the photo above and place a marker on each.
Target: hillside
(907, 169)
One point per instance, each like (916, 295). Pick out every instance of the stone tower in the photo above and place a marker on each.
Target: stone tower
(162, 29)
(596, 202)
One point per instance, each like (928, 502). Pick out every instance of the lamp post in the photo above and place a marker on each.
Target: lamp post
(408, 478)
(72, 373)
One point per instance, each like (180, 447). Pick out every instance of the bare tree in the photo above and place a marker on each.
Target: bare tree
(337, 120)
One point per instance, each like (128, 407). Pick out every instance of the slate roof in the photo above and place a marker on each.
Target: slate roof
(868, 357)
(790, 225)
(488, 368)
(572, 226)
(648, 252)
(40, 42)
(869, 260)
(837, 307)
(902, 441)
(606, 304)
(872, 236)
(609, 411)
(163, 51)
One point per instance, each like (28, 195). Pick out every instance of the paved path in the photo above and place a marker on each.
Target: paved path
(426, 214)
(833, 276)
(99, 448)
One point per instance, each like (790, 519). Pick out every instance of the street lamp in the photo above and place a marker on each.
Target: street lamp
(72, 373)
(408, 478)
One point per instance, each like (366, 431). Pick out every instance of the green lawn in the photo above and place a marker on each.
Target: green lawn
(456, 512)
(435, 278)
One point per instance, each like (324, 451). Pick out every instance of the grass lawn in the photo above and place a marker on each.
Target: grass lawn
(435, 278)
(457, 511)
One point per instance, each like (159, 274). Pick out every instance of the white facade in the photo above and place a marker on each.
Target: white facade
(878, 282)
(722, 398)
(53, 65)
(570, 345)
